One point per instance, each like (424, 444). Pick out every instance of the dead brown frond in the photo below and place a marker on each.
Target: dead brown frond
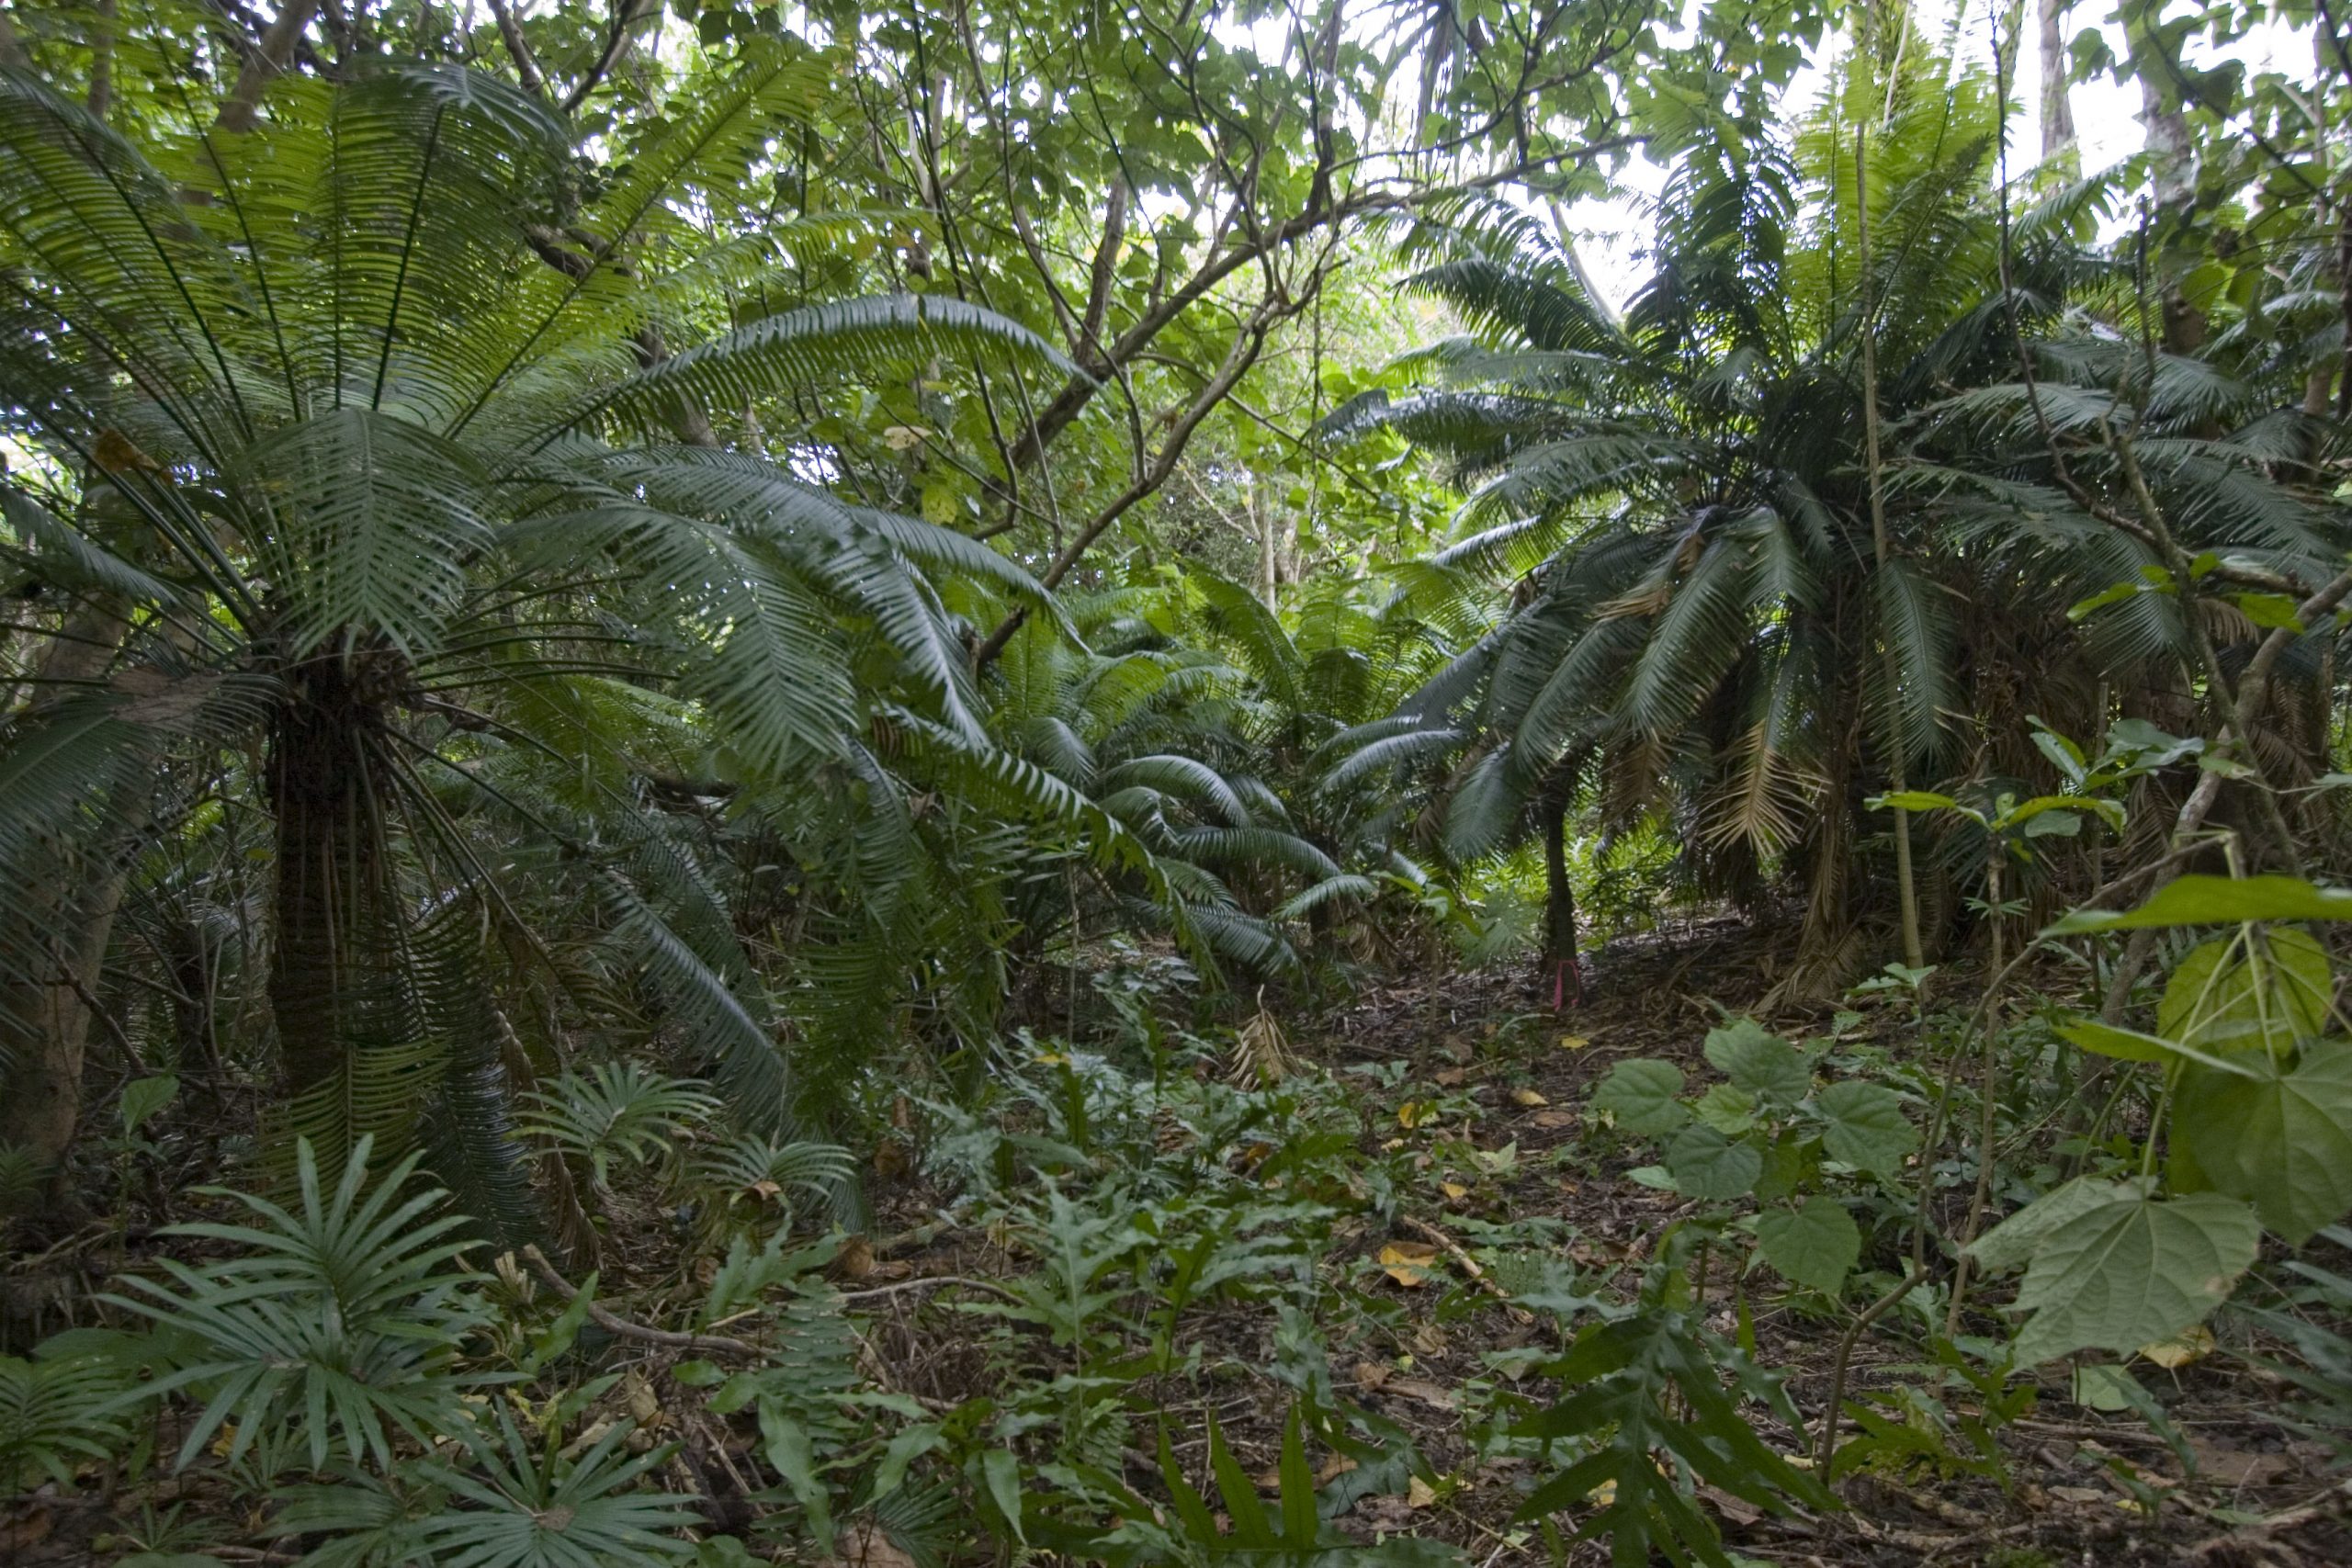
(1764, 798)
(1262, 1052)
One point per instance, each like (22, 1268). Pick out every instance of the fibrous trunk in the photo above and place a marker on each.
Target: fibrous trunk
(334, 972)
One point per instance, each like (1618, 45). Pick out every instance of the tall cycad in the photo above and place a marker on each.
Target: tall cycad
(341, 418)
(1682, 499)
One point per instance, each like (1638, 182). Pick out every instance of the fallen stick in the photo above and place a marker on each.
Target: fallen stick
(1453, 1250)
(708, 1344)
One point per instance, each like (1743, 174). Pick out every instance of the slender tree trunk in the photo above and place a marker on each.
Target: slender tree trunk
(59, 924)
(1561, 972)
(1906, 891)
(2057, 103)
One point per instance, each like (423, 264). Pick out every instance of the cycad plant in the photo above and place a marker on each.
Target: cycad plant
(1700, 628)
(362, 469)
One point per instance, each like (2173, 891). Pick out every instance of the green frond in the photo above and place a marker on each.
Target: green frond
(818, 344)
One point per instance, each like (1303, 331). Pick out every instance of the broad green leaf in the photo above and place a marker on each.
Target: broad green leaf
(2013, 1242)
(2228, 995)
(1728, 1110)
(1912, 800)
(1639, 1095)
(2218, 901)
(2132, 1046)
(1817, 1246)
(1759, 1062)
(2281, 1139)
(2105, 1386)
(142, 1098)
(2273, 612)
(1707, 1165)
(1863, 1125)
(2132, 1270)
(1790, 1161)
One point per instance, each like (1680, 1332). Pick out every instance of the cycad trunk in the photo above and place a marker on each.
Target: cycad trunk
(1561, 972)
(332, 969)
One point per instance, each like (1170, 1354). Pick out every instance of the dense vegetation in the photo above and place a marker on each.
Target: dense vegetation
(1015, 783)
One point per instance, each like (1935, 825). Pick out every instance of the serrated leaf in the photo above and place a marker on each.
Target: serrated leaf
(2281, 1139)
(1864, 1124)
(2133, 1269)
(1639, 1095)
(1815, 1245)
(1728, 1110)
(1707, 1165)
(1758, 1061)
(2013, 1242)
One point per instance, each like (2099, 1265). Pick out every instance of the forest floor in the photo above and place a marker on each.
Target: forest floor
(2080, 1485)
(2056, 1483)
(1431, 1346)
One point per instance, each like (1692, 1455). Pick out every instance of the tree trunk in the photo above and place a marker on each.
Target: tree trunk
(61, 920)
(1561, 972)
(2057, 105)
(333, 978)
(267, 59)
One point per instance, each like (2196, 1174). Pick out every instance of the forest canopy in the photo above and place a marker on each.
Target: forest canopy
(1464, 780)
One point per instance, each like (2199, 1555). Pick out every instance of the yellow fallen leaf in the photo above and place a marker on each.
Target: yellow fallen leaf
(2194, 1344)
(1419, 1494)
(1333, 1468)
(1409, 1263)
(1417, 1113)
(1573, 1041)
(1528, 1096)
(1454, 1190)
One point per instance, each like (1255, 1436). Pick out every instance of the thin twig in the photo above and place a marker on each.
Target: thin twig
(924, 1281)
(709, 1344)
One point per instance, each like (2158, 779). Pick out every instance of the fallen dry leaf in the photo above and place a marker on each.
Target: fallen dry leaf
(1554, 1119)
(1450, 1077)
(1731, 1510)
(1573, 1041)
(1419, 1494)
(2236, 1467)
(1409, 1263)
(1372, 1375)
(2194, 1344)
(1333, 1468)
(1454, 1190)
(1437, 1396)
(1528, 1096)
(869, 1548)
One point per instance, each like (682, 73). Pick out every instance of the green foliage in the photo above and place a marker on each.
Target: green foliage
(1641, 1464)
(1766, 1131)
(2114, 1267)
(338, 1322)
(57, 1411)
(2256, 1116)
(616, 1112)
